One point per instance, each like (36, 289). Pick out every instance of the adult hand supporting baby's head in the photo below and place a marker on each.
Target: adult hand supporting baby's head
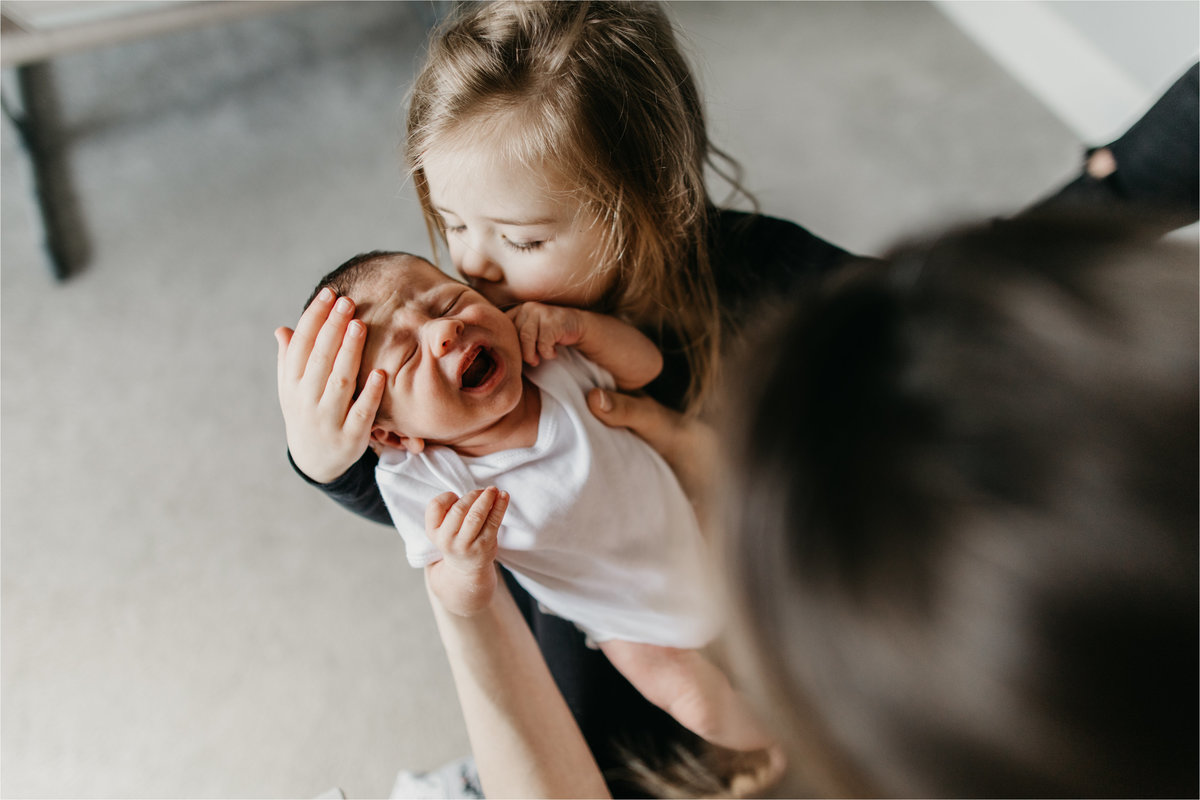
(317, 367)
(688, 445)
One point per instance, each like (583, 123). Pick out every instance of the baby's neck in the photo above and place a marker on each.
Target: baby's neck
(516, 429)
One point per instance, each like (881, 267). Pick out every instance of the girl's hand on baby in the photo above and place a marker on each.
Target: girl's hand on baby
(327, 429)
(466, 529)
(542, 328)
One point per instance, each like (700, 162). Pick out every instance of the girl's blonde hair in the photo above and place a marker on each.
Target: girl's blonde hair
(599, 95)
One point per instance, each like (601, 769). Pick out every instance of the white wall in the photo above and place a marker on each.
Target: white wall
(1097, 64)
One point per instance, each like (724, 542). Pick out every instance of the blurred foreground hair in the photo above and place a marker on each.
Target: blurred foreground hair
(963, 518)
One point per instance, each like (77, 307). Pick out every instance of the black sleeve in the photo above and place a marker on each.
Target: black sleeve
(757, 259)
(356, 490)
(754, 259)
(1157, 157)
(1157, 179)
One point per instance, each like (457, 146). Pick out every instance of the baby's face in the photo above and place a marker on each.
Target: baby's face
(452, 359)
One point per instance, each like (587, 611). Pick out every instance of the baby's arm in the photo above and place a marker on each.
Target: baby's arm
(618, 347)
(465, 530)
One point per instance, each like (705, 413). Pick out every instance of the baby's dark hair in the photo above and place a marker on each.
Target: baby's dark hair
(351, 274)
(963, 517)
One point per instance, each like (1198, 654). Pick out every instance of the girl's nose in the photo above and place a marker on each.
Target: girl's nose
(444, 334)
(477, 266)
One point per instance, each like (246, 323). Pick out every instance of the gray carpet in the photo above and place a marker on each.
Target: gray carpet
(182, 617)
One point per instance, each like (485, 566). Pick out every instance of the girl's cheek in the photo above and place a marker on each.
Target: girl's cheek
(536, 282)
(454, 244)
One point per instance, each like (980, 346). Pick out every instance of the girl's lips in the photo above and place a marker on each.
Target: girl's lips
(498, 296)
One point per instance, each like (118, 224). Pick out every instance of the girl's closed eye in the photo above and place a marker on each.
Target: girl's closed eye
(523, 246)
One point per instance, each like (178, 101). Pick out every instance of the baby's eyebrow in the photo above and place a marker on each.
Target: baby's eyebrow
(433, 299)
(421, 299)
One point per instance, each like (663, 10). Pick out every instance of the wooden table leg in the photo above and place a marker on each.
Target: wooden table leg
(38, 124)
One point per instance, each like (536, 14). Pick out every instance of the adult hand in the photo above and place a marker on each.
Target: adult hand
(688, 445)
(327, 429)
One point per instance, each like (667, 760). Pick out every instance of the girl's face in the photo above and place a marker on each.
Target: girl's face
(515, 234)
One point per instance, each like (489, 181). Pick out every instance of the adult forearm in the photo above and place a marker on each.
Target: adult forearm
(525, 741)
(461, 593)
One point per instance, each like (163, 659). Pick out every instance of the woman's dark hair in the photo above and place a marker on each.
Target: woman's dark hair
(963, 518)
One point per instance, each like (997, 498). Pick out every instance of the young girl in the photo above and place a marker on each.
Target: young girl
(559, 150)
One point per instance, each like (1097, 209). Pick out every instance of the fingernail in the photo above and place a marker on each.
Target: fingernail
(326, 294)
(604, 401)
(343, 305)
(356, 328)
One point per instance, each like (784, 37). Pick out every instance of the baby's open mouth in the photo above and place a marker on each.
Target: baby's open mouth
(480, 367)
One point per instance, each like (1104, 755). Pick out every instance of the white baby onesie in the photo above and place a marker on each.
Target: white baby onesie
(598, 529)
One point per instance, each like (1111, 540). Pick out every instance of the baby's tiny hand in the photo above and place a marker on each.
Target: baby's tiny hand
(542, 327)
(466, 529)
